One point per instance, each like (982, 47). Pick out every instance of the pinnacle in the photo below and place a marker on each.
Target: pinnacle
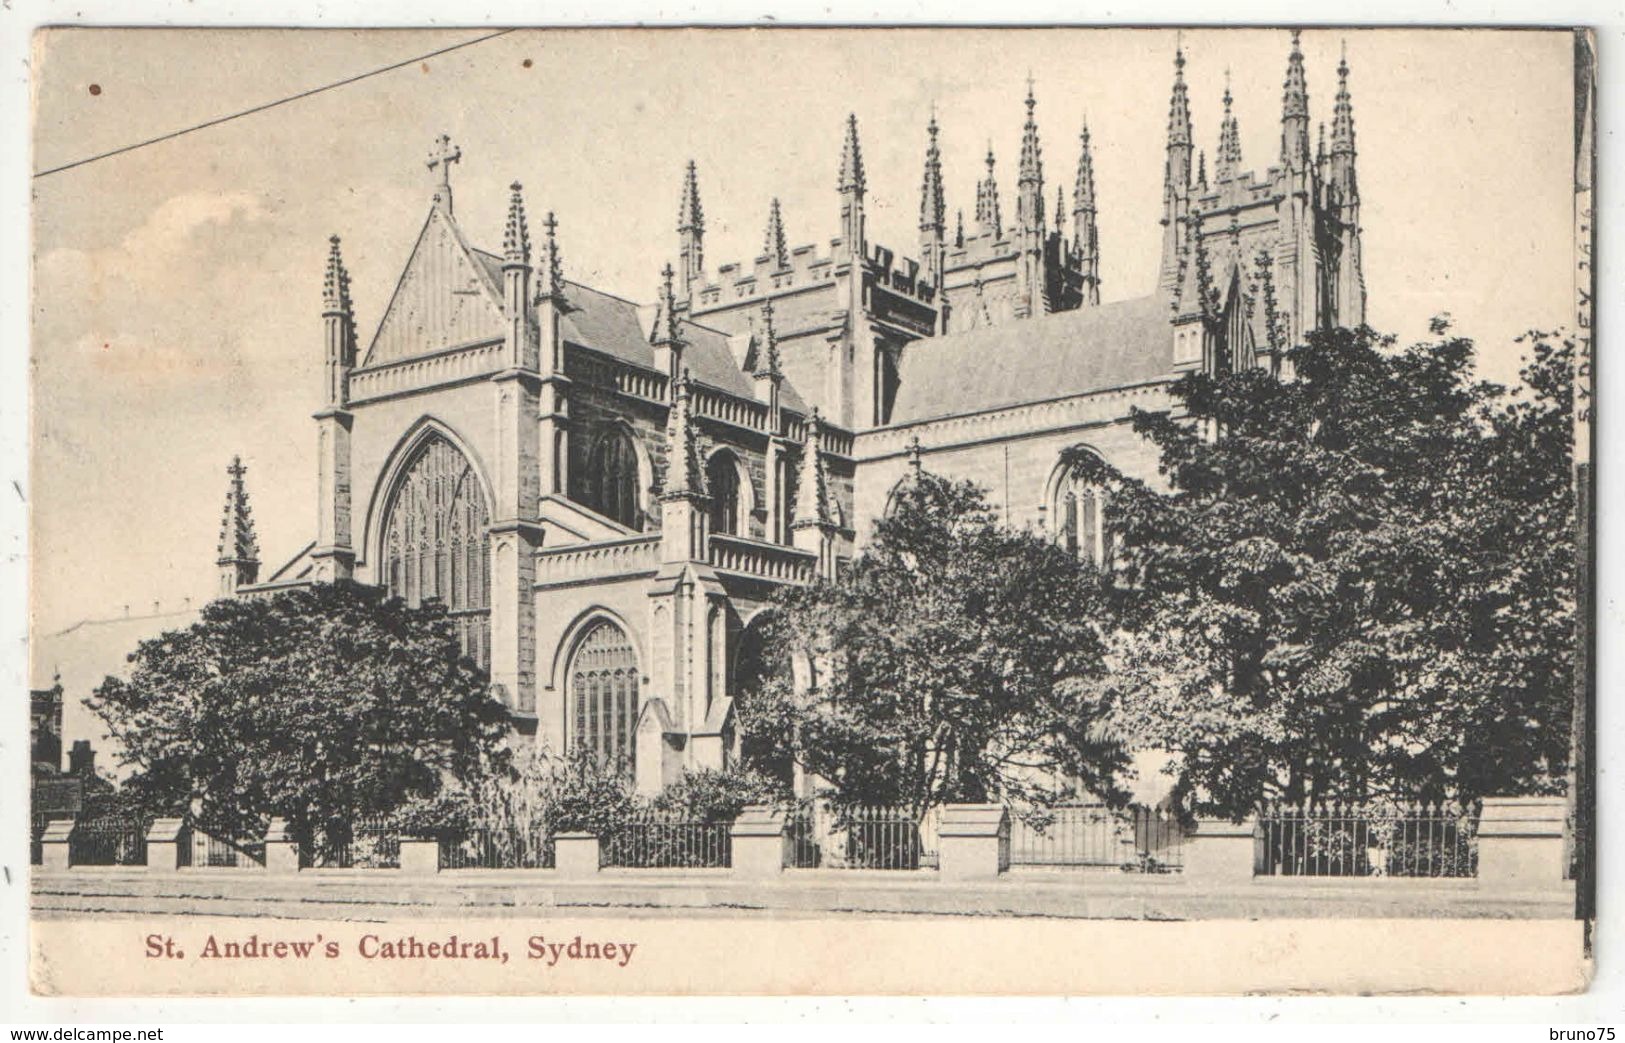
(516, 235)
(852, 178)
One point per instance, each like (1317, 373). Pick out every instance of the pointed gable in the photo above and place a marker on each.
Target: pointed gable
(446, 297)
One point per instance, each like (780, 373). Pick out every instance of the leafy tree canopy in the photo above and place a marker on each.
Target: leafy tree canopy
(933, 668)
(1358, 583)
(318, 704)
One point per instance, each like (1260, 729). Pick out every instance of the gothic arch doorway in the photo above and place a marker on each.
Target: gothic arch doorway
(434, 542)
(603, 696)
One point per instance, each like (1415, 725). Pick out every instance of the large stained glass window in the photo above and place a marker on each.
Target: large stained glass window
(604, 696)
(435, 542)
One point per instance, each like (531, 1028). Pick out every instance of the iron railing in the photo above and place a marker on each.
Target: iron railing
(485, 848)
(36, 850)
(658, 840)
(862, 837)
(372, 842)
(109, 841)
(1094, 836)
(1353, 840)
(207, 851)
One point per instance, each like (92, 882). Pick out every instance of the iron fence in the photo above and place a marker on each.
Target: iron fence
(862, 837)
(371, 842)
(1094, 836)
(109, 841)
(497, 849)
(1348, 840)
(657, 840)
(36, 850)
(208, 851)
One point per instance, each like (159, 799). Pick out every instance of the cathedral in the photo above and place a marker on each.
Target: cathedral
(606, 495)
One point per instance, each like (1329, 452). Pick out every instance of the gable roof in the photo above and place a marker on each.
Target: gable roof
(450, 293)
(446, 295)
(1052, 356)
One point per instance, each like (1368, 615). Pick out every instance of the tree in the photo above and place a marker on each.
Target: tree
(1360, 583)
(933, 669)
(319, 704)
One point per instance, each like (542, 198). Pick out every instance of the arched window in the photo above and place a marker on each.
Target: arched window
(610, 484)
(603, 695)
(1080, 519)
(722, 482)
(435, 543)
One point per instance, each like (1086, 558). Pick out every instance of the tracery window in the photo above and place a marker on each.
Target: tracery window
(435, 543)
(1080, 519)
(603, 682)
(610, 483)
(722, 483)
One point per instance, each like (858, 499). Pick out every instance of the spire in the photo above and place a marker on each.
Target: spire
(1179, 109)
(933, 211)
(690, 233)
(1227, 161)
(1060, 210)
(690, 218)
(549, 267)
(336, 283)
(774, 246)
(516, 235)
(812, 489)
(1343, 112)
(988, 221)
(664, 331)
(338, 320)
(685, 476)
(1295, 112)
(852, 159)
(1084, 229)
(767, 357)
(959, 227)
(1176, 182)
(1201, 171)
(441, 156)
(239, 551)
(1030, 179)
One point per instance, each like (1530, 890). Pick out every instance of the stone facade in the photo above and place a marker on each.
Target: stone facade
(607, 494)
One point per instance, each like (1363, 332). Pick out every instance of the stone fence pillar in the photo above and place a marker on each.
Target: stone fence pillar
(54, 843)
(165, 843)
(281, 849)
(420, 856)
(575, 854)
(973, 841)
(1221, 851)
(757, 835)
(1520, 843)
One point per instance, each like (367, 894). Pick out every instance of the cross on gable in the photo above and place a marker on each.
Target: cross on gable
(442, 156)
(237, 470)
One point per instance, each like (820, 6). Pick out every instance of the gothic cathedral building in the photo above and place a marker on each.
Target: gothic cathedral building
(606, 495)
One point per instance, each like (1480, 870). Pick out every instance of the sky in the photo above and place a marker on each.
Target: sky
(177, 288)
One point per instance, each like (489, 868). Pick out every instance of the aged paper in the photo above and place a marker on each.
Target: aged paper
(604, 340)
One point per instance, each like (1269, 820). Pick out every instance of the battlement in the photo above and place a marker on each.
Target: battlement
(737, 282)
(807, 267)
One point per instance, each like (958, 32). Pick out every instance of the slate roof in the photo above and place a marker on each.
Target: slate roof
(1053, 356)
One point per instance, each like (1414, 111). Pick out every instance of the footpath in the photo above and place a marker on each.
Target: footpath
(390, 895)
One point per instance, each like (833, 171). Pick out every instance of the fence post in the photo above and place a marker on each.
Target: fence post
(54, 843)
(575, 854)
(420, 856)
(1221, 851)
(1520, 843)
(973, 841)
(758, 841)
(164, 843)
(281, 849)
